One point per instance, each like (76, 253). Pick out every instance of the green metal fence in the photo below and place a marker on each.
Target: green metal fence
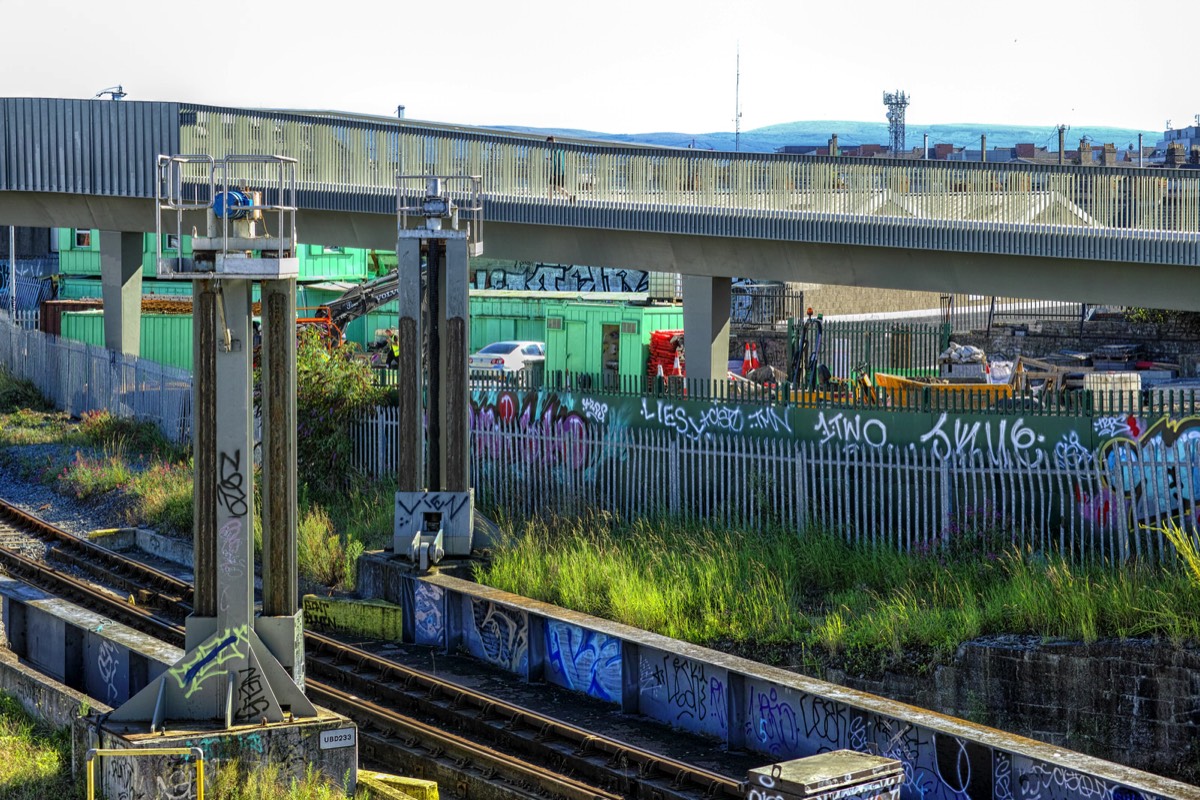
(864, 348)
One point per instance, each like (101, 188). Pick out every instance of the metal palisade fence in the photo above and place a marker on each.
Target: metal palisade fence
(915, 500)
(78, 377)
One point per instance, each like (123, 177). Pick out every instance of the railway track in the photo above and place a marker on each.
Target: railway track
(408, 719)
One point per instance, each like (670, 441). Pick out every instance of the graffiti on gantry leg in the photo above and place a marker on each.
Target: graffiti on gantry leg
(206, 661)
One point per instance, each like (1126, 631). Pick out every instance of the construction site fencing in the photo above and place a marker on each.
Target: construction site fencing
(849, 348)
(854, 395)
(1107, 510)
(78, 377)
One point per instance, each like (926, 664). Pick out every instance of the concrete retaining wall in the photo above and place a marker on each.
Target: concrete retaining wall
(767, 710)
(1135, 702)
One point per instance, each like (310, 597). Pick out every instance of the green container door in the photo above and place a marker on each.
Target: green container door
(84, 326)
(576, 356)
(166, 338)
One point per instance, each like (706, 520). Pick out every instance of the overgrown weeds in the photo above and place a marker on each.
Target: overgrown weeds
(35, 759)
(264, 782)
(20, 395)
(324, 555)
(868, 609)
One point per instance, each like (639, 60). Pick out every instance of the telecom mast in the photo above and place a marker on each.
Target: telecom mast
(896, 102)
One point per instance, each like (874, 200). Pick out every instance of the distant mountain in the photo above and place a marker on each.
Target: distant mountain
(772, 137)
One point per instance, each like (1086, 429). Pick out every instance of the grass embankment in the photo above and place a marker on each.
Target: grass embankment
(35, 764)
(811, 599)
(777, 596)
(35, 760)
(149, 480)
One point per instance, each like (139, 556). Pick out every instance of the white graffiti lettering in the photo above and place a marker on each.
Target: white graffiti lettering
(1107, 427)
(229, 540)
(713, 420)
(107, 663)
(594, 409)
(851, 431)
(1007, 444)
(770, 419)
(1070, 453)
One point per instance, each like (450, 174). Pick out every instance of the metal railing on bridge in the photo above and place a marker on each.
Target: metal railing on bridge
(347, 162)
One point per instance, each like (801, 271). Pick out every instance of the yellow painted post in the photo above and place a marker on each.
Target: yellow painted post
(195, 752)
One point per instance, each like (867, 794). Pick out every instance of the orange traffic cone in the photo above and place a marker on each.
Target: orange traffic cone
(754, 362)
(678, 368)
(747, 364)
(660, 371)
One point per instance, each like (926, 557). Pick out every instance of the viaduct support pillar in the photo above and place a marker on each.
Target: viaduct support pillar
(706, 326)
(121, 285)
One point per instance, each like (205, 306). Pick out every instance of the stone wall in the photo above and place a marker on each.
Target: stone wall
(1133, 702)
(1166, 343)
(830, 299)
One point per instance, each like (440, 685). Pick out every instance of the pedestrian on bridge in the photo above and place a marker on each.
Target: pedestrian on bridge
(558, 171)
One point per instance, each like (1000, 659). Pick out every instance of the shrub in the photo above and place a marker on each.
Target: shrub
(332, 386)
(87, 475)
(102, 429)
(322, 555)
(163, 497)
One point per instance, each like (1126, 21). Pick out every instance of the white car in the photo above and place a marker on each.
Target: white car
(506, 358)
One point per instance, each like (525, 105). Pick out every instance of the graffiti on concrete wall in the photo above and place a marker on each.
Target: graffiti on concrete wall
(499, 635)
(1152, 467)
(788, 724)
(685, 692)
(583, 660)
(176, 780)
(429, 613)
(1027, 779)
(528, 276)
(120, 776)
(108, 662)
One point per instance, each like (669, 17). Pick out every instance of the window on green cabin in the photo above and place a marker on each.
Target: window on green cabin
(333, 250)
(83, 239)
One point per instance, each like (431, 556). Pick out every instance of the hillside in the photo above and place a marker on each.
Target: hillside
(772, 137)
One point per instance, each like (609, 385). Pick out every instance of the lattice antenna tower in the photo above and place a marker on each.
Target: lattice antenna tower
(896, 102)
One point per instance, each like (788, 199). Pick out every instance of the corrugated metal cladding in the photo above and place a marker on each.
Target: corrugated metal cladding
(100, 147)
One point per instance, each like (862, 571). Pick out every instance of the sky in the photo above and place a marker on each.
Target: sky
(618, 66)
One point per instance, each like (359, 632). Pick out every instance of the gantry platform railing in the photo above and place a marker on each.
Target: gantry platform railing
(349, 163)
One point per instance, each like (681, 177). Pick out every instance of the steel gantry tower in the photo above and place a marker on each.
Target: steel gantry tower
(896, 102)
